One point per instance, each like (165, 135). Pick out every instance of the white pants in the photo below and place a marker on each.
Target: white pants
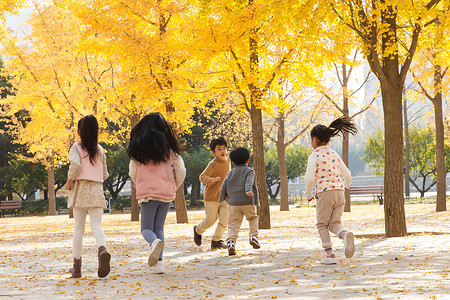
(95, 218)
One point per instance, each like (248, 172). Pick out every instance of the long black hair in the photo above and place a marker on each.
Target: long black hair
(152, 139)
(340, 125)
(88, 130)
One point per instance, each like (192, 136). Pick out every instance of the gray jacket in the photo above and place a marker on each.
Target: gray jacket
(240, 179)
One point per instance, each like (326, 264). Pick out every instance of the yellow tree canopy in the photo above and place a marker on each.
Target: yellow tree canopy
(10, 6)
(284, 34)
(52, 81)
(144, 42)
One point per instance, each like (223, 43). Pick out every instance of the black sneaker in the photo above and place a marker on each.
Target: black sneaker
(218, 245)
(254, 242)
(231, 248)
(197, 237)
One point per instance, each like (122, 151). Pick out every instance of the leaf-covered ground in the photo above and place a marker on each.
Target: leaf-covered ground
(35, 256)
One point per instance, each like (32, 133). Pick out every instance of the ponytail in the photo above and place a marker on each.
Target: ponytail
(340, 125)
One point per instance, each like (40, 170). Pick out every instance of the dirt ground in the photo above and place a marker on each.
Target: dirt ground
(35, 256)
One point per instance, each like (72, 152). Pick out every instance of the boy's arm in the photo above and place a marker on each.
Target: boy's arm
(205, 177)
(249, 179)
(310, 177)
(255, 199)
(179, 169)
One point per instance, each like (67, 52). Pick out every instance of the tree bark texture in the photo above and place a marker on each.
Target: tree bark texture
(441, 198)
(282, 168)
(394, 208)
(51, 187)
(407, 147)
(258, 152)
(180, 206)
(345, 136)
(134, 203)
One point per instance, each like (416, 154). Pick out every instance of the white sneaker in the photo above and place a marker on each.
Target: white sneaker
(155, 250)
(329, 260)
(159, 268)
(349, 244)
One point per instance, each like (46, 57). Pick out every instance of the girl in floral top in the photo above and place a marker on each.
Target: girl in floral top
(330, 176)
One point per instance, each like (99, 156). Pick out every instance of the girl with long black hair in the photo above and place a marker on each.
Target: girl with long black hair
(157, 170)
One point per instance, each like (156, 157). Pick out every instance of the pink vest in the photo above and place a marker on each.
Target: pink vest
(156, 180)
(88, 171)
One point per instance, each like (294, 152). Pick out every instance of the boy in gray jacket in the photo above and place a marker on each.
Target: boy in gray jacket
(240, 191)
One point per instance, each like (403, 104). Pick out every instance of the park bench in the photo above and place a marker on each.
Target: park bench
(375, 190)
(14, 205)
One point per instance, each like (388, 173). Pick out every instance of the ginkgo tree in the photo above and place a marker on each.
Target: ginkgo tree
(297, 108)
(388, 33)
(53, 87)
(433, 85)
(342, 93)
(249, 45)
(150, 68)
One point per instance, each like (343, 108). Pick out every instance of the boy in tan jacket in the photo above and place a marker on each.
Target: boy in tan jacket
(213, 177)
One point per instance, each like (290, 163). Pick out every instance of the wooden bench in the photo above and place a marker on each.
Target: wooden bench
(375, 190)
(14, 205)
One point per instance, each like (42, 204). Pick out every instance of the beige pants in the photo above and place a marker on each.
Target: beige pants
(237, 213)
(329, 209)
(214, 210)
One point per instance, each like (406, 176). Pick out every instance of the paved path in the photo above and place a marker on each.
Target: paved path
(35, 255)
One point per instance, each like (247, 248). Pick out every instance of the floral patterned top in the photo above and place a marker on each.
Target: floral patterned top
(326, 171)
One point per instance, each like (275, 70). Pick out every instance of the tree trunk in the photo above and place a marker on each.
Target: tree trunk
(345, 136)
(134, 203)
(282, 168)
(195, 193)
(345, 148)
(394, 209)
(407, 147)
(51, 187)
(257, 131)
(70, 213)
(391, 91)
(258, 152)
(441, 198)
(9, 193)
(180, 206)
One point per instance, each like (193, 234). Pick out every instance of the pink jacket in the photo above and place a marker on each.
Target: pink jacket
(88, 171)
(158, 181)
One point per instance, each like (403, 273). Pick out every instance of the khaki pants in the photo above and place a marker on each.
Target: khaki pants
(237, 213)
(214, 210)
(329, 209)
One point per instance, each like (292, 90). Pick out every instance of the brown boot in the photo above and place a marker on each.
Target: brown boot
(76, 269)
(103, 262)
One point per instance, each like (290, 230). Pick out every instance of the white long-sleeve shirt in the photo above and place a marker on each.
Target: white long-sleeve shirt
(326, 171)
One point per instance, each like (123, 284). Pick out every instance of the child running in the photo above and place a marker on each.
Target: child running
(86, 173)
(213, 177)
(157, 170)
(240, 191)
(330, 176)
